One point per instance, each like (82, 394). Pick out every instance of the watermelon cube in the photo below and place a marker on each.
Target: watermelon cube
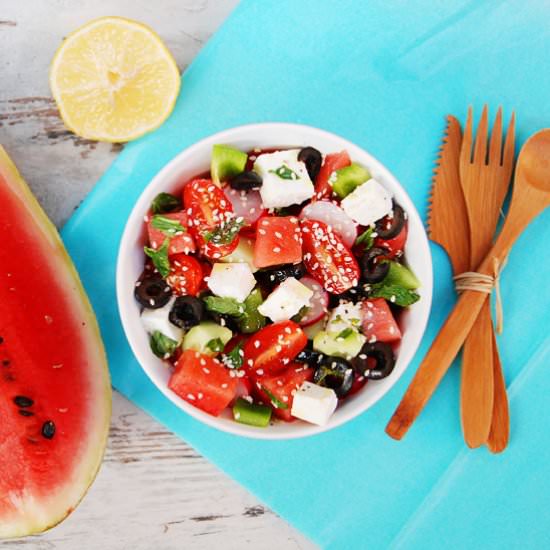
(278, 241)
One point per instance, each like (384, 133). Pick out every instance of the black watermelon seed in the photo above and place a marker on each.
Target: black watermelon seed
(6, 363)
(23, 412)
(22, 401)
(1, 340)
(48, 429)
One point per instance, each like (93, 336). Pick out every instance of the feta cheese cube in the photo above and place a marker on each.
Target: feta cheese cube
(314, 403)
(231, 280)
(286, 300)
(368, 203)
(157, 319)
(285, 179)
(345, 315)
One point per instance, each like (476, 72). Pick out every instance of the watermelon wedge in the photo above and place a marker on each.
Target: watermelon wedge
(55, 396)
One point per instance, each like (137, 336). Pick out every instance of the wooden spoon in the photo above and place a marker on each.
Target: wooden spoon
(530, 197)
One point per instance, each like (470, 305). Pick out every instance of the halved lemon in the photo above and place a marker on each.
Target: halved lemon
(114, 80)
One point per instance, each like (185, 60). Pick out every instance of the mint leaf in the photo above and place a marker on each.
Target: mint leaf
(234, 359)
(274, 401)
(160, 257)
(168, 226)
(215, 345)
(285, 173)
(164, 203)
(395, 294)
(224, 306)
(226, 233)
(161, 345)
(345, 333)
(366, 239)
(252, 320)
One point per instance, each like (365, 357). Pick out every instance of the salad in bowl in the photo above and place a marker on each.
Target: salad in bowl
(280, 287)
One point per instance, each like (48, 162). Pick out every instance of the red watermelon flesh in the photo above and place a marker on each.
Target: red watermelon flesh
(55, 397)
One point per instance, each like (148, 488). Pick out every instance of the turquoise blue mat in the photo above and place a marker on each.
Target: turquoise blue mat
(383, 74)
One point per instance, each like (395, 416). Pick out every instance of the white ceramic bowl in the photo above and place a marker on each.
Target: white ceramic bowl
(196, 160)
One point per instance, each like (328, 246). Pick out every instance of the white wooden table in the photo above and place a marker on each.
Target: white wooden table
(153, 491)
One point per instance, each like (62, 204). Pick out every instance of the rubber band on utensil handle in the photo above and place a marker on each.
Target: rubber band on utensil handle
(480, 282)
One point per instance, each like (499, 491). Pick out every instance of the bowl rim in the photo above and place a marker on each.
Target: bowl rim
(137, 212)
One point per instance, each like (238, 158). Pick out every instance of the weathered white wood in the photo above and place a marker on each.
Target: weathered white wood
(153, 490)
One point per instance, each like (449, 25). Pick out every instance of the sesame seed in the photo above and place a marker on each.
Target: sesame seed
(206, 371)
(262, 231)
(257, 344)
(276, 249)
(224, 385)
(259, 372)
(191, 397)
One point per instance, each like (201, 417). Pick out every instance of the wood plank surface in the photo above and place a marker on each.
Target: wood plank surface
(154, 490)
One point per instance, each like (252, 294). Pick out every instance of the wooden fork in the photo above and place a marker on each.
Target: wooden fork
(485, 178)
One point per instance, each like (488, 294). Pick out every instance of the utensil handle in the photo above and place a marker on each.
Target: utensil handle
(477, 385)
(500, 427)
(436, 363)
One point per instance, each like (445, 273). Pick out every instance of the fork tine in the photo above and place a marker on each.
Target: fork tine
(466, 148)
(509, 145)
(496, 140)
(480, 148)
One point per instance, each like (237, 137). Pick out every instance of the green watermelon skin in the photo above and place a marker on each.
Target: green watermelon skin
(55, 395)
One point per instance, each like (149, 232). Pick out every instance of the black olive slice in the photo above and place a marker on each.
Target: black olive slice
(313, 160)
(309, 356)
(373, 270)
(388, 228)
(186, 312)
(152, 292)
(335, 373)
(383, 356)
(276, 275)
(246, 181)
